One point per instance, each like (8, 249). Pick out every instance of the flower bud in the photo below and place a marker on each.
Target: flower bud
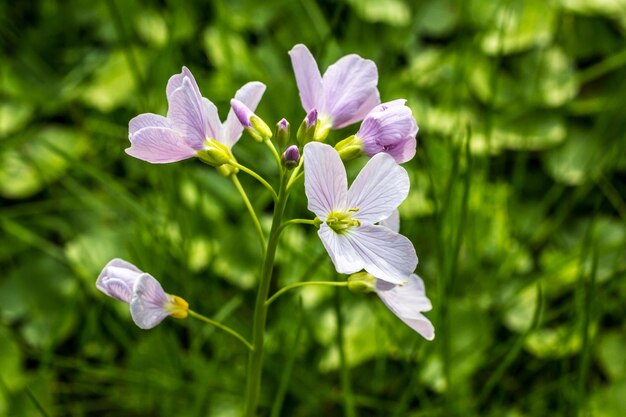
(361, 282)
(306, 131)
(253, 124)
(214, 153)
(291, 157)
(349, 148)
(282, 132)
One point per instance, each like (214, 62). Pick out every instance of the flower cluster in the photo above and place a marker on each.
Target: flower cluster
(358, 225)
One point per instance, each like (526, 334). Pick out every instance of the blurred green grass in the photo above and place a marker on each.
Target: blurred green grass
(516, 210)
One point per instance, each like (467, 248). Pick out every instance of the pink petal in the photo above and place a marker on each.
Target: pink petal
(159, 145)
(176, 81)
(349, 85)
(325, 181)
(189, 114)
(384, 254)
(148, 305)
(250, 95)
(379, 189)
(308, 77)
(340, 250)
(146, 120)
(214, 125)
(407, 302)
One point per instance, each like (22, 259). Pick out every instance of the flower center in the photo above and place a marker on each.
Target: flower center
(342, 221)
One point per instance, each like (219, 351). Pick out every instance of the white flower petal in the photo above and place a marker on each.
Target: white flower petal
(308, 77)
(384, 254)
(349, 87)
(379, 189)
(340, 250)
(148, 305)
(159, 145)
(250, 95)
(325, 181)
(407, 302)
(188, 113)
(392, 222)
(147, 120)
(117, 279)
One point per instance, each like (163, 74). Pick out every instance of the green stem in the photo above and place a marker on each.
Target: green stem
(297, 221)
(346, 384)
(255, 360)
(303, 284)
(246, 200)
(257, 177)
(222, 327)
(272, 148)
(295, 174)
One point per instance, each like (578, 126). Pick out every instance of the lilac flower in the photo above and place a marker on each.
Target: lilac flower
(191, 125)
(348, 218)
(343, 96)
(390, 128)
(408, 301)
(149, 304)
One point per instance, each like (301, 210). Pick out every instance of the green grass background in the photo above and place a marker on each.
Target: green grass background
(516, 211)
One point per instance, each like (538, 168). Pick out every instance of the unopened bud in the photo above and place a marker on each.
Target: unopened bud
(253, 124)
(361, 282)
(282, 132)
(349, 148)
(291, 157)
(306, 131)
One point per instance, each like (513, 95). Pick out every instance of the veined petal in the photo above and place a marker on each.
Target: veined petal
(384, 254)
(188, 113)
(379, 189)
(308, 77)
(407, 302)
(159, 145)
(250, 95)
(117, 279)
(372, 101)
(147, 120)
(148, 305)
(214, 125)
(348, 84)
(391, 128)
(325, 181)
(340, 250)
(176, 81)
(392, 222)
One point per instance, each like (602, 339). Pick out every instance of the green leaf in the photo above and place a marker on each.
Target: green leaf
(30, 166)
(520, 25)
(391, 12)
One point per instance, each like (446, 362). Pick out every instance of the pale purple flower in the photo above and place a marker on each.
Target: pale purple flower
(344, 95)
(408, 301)
(149, 304)
(391, 128)
(191, 120)
(348, 218)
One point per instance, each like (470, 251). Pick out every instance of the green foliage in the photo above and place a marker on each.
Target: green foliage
(516, 210)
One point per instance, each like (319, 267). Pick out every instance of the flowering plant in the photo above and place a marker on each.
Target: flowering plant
(358, 226)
